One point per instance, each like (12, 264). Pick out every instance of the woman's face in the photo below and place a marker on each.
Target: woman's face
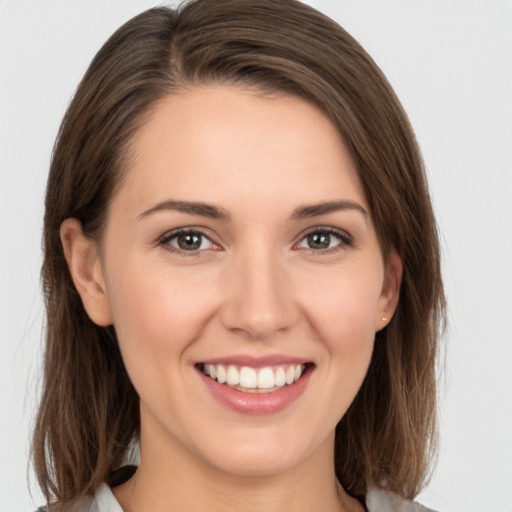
(241, 240)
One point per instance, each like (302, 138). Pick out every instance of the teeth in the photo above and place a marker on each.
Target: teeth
(248, 378)
(232, 376)
(266, 378)
(280, 377)
(290, 375)
(221, 374)
(252, 380)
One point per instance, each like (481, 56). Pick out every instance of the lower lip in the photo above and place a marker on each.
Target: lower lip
(257, 403)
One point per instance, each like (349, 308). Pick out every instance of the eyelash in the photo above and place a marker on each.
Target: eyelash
(346, 240)
(164, 240)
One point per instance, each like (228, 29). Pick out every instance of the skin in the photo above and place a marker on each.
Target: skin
(255, 287)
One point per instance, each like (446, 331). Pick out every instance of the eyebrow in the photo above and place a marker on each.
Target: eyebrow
(314, 210)
(215, 212)
(191, 207)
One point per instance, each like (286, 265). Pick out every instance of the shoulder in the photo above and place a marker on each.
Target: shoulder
(379, 500)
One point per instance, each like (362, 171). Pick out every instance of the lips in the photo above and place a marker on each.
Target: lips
(256, 386)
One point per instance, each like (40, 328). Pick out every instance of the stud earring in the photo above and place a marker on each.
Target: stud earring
(384, 318)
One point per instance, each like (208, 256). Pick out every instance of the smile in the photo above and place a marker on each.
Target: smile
(256, 385)
(254, 380)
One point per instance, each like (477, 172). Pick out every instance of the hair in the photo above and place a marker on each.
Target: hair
(89, 411)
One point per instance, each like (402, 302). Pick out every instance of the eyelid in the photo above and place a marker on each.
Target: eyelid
(164, 240)
(347, 240)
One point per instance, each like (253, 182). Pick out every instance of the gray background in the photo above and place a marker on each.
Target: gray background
(450, 62)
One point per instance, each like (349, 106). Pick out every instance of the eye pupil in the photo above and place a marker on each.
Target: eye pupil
(189, 242)
(319, 240)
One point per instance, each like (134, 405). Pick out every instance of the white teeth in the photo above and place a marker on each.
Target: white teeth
(232, 376)
(290, 375)
(251, 380)
(280, 377)
(248, 377)
(265, 378)
(221, 374)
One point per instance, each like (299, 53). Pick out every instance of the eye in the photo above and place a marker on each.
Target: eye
(186, 240)
(325, 239)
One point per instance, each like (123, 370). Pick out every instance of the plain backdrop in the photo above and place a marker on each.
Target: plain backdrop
(450, 62)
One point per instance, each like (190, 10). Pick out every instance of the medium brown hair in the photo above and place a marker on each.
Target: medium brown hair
(88, 416)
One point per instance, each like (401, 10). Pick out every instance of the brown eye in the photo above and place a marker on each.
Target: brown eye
(188, 241)
(325, 239)
(319, 241)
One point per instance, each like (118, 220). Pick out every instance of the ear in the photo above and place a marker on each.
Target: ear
(84, 264)
(390, 293)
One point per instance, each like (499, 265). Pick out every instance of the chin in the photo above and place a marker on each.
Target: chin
(261, 456)
(259, 464)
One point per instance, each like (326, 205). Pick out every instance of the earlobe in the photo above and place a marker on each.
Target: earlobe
(84, 264)
(390, 293)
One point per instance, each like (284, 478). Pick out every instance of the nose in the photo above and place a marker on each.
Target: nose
(258, 296)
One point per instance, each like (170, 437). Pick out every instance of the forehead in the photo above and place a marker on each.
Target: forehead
(223, 143)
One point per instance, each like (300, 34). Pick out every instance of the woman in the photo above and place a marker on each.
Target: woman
(241, 273)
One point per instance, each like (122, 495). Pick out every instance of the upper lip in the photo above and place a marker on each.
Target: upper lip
(256, 361)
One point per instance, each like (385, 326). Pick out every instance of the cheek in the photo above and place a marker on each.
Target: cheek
(344, 320)
(158, 314)
(342, 314)
(344, 308)
(157, 310)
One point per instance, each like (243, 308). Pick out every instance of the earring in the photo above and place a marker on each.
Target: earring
(384, 318)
